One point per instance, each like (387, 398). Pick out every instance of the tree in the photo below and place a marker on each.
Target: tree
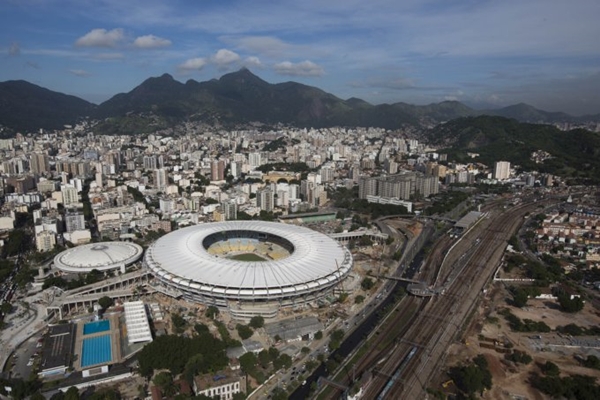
(212, 312)
(194, 366)
(359, 299)
(257, 322)
(336, 339)
(72, 393)
(59, 396)
(273, 352)
(592, 362)
(264, 358)
(5, 308)
(244, 331)
(473, 378)
(105, 394)
(201, 328)
(178, 322)
(550, 369)
(105, 302)
(173, 352)
(164, 380)
(520, 297)
(285, 360)
(367, 284)
(365, 241)
(248, 362)
(519, 357)
(570, 305)
(305, 350)
(319, 335)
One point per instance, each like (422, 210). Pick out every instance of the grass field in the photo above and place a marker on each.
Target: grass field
(247, 257)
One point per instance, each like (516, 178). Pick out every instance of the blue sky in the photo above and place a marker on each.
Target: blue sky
(482, 52)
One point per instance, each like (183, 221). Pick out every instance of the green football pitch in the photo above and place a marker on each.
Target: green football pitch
(247, 257)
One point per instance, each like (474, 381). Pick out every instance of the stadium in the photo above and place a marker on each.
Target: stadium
(248, 267)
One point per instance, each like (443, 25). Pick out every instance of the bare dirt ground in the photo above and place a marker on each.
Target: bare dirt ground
(510, 381)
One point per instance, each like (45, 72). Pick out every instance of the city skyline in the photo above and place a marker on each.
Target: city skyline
(478, 52)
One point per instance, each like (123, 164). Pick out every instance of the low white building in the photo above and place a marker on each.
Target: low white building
(136, 320)
(221, 385)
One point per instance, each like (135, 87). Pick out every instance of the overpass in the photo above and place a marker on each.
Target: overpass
(122, 287)
(345, 237)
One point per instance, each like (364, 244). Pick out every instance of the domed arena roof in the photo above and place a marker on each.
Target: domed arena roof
(101, 256)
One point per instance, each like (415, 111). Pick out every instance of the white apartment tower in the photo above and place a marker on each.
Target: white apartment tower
(69, 195)
(265, 199)
(502, 170)
(254, 159)
(160, 178)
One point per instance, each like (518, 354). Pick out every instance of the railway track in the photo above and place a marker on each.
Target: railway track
(388, 336)
(407, 370)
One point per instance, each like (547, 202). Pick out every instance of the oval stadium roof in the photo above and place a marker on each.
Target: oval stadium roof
(180, 258)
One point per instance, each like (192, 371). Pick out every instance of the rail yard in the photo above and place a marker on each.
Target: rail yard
(408, 348)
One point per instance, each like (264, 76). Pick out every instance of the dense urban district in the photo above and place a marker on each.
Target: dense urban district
(271, 261)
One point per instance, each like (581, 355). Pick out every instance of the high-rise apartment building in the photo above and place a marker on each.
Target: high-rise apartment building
(69, 195)
(265, 199)
(367, 186)
(38, 163)
(160, 179)
(230, 208)
(150, 162)
(74, 221)
(254, 159)
(217, 170)
(502, 170)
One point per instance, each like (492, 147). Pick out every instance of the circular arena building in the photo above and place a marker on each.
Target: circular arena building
(104, 256)
(248, 267)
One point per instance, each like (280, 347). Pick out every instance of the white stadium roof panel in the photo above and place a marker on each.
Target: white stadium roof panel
(101, 256)
(181, 257)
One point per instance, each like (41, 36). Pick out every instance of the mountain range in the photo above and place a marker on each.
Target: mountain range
(236, 98)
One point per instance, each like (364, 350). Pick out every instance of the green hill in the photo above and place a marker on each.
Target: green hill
(574, 153)
(242, 97)
(28, 107)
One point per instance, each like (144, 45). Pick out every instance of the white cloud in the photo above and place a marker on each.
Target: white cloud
(193, 64)
(101, 38)
(224, 57)
(304, 68)
(14, 49)
(80, 73)
(150, 42)
(252, 62)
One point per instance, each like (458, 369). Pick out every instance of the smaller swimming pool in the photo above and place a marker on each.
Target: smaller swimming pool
(96, 326)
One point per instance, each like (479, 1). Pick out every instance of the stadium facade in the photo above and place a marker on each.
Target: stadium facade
(248, 267)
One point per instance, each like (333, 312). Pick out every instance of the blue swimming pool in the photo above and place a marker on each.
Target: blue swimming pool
(96, 350)
(96, 326)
